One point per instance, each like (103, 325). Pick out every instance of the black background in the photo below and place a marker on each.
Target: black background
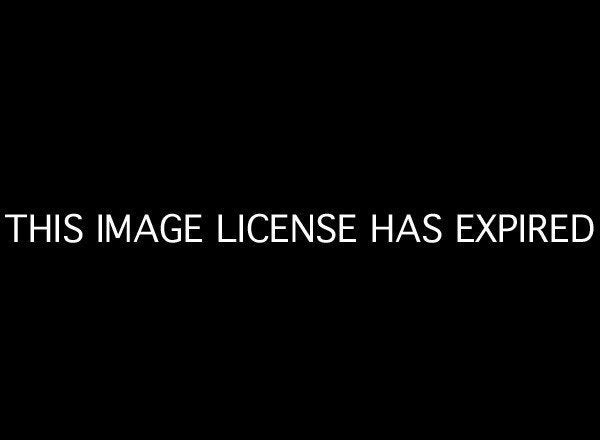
(386, 112)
